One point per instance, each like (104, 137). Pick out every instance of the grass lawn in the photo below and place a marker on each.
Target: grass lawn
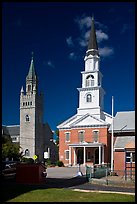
(29, 194)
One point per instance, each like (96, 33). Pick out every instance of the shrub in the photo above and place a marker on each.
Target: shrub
(27, 160)
(60, 163)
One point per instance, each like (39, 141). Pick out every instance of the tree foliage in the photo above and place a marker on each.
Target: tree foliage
(9, 149)
(57, 139)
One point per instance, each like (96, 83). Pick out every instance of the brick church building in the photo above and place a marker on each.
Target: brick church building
(84, 138)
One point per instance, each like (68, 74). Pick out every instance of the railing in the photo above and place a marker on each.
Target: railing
(97, 171)
(104, 171)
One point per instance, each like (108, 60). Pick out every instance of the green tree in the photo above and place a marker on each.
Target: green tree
(57, 134)
(9, 149)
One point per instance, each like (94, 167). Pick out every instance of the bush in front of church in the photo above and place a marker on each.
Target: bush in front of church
(60, 163)
(27, 160)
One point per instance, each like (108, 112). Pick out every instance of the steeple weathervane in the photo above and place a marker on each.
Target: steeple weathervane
(32, 53)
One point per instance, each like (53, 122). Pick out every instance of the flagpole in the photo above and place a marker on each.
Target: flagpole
(112, 136)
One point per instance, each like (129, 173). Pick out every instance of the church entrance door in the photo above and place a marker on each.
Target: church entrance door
(80, 156)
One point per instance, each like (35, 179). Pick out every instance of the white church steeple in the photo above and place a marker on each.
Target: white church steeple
(91, 95)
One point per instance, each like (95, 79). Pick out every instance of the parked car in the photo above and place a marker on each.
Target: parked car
(8, 170)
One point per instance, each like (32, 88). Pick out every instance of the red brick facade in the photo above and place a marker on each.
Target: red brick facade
(104, 138)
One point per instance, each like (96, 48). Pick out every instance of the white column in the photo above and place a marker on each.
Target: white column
(69, 155)
(84, 156)
(99, 154)
(103, 154)
(74, 155)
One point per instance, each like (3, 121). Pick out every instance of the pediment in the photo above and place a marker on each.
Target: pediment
(88, 120)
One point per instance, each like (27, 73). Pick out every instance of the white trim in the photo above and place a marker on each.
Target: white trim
(11, 125)
(65, 136)
(95, 130)
(69, 155)
(99, 154)
(118, 148)
(81, 131)
(84, 155)
(74, 148)
(65, 154)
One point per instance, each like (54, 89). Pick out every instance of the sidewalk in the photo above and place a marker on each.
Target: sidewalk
(64, 172)
(67, 177)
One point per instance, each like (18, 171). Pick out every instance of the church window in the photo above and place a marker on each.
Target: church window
(23, 103)
(29, 87)
(89, 98)
(90, 81)
(67, 134)
(31, 103)
(67, 154)
(95, 135)
(27, 118)
(26, 103)
(27, 153)
(81, 136)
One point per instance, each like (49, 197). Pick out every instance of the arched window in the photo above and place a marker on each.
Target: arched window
(27, 118)
(29, 87)
(90, 80)
(89, 98)
(27, 153)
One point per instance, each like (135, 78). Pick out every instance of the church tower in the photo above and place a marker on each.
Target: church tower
(91, 95)
(31, 116)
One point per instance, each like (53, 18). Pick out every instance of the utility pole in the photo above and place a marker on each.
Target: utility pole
(112, 135)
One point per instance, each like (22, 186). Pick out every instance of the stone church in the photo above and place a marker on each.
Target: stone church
(32, 134)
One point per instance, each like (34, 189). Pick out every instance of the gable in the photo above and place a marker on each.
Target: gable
(88, 120)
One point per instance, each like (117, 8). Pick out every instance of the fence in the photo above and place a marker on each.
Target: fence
(96, 171)
(104, 171)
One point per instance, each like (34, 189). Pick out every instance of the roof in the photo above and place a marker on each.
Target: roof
(13, 130)
(92, 46)
(124, 122)
(5, 130)
(124, 141)
(32, 74)
(86, 120)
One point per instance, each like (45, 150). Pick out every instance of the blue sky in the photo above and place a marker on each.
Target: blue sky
(58, 33)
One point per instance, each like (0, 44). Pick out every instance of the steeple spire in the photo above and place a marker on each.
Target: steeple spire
(31, 79)
(31, 74)
(92, 45)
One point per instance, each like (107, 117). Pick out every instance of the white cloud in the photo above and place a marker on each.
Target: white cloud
(83, 40)
(106, 51)
(101, 36)
(72, 56)
(50, 64)
(84, 24)
(69, 41)
(83, 21)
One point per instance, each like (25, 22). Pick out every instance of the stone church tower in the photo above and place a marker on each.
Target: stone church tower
(31, 117)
